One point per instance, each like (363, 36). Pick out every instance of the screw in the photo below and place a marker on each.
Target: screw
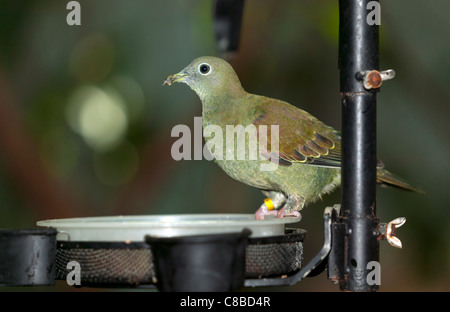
(373, 79)
(390, 231)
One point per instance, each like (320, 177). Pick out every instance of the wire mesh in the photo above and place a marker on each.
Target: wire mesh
(131, 264)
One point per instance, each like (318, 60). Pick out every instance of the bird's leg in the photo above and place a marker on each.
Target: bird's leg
(273, 202)
(293, 205)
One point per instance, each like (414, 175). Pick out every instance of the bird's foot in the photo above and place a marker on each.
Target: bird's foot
(263, 211)
(283, 214)
(275, 200)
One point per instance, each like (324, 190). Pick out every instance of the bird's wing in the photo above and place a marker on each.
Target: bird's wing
(302, 137)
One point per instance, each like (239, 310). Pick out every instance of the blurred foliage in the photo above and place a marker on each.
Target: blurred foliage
(97, 121)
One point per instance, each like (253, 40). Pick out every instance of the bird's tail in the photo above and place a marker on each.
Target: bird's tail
(387, 178)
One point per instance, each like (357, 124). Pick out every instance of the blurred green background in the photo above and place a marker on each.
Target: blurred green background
(85, 123)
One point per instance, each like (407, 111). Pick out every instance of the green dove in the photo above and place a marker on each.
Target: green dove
(308, 156)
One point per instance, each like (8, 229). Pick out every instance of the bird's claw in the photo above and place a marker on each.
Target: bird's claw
(282, 214)
(263, 211)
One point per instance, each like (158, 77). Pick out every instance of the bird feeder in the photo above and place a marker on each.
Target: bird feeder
(194, 252)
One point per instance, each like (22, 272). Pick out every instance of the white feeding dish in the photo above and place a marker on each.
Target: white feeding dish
(134, 228)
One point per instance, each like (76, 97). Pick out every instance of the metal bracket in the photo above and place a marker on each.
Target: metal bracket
(309, 267)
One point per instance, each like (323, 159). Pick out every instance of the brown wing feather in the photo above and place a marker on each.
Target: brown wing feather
(302, 137)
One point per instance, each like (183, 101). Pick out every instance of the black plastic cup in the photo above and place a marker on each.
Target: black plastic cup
(200, 263)
(27, 257)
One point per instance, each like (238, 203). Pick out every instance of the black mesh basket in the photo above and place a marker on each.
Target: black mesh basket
(121, 264)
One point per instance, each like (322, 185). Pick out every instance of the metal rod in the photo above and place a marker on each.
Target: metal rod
(227, 20)
(358, 51)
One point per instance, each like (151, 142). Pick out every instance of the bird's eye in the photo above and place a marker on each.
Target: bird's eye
(204, 69)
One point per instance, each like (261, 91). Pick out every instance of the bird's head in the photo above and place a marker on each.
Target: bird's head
(208, 76)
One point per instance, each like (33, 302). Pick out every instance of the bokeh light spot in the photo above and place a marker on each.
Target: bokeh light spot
(98, 115)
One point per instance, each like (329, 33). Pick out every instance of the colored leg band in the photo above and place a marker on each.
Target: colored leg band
(269, 204)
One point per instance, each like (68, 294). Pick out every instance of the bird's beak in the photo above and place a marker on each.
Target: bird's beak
(180, 77)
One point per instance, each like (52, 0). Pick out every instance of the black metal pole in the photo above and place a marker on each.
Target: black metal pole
(358, 52)
(227, 21)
